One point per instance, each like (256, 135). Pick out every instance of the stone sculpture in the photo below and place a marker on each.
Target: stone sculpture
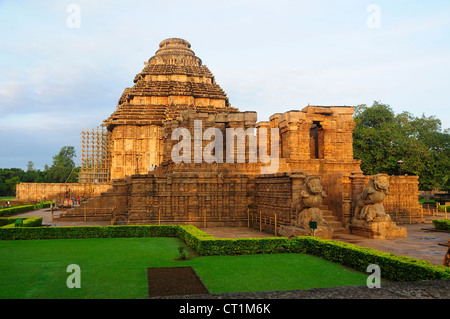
(370, 218)
(309, 210)
(311, 198)
(369, 205)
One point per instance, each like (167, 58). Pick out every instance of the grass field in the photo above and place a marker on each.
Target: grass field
(7, 198)
(116, 268)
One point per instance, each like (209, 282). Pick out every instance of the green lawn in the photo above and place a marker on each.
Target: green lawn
(116, 268)
(10, 198)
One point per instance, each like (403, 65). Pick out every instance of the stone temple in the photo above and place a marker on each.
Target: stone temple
(229, 169)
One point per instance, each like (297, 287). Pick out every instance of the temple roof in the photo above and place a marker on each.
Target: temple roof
(172, 80)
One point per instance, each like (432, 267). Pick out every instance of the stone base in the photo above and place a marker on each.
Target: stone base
(293, 231)
(377, 230)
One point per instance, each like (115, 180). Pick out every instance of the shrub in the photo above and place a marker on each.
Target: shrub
(393, 267)
(16, 209)
(182, 252)
(79, 232)
(428, 202)
(442, 208)
(442, 224)
(8, 222)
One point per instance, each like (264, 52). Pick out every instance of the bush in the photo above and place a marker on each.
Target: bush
(393, 267)
(16, 209)
(442, 224)
(80, 232)
(243, 246)
(9, 222)
(428, 202)
(182, 252)
(442, 208)
(24, 208)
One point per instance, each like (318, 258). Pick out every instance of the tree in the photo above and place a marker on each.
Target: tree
(63, 164)
(382, 139)
(11, 185)
(30, 166)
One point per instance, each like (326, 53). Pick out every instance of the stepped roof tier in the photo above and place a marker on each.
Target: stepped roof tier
(173, 80)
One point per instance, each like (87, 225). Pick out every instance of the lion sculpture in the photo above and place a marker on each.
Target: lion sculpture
(311, 198)
(369, 205)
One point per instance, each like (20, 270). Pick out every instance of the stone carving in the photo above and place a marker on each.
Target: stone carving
(369, 205)
(311, 198)
(370, 218)
(309, 209)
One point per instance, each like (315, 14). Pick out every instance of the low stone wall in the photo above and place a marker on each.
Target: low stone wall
(188, 198)
(58, 192)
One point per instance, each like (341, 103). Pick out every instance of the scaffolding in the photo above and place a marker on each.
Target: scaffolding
(95, 156)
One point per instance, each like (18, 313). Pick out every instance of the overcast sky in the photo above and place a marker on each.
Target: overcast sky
(63, 70)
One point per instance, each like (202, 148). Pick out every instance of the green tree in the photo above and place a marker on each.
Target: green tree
(382, 139)
(11, 185)
(63, 164)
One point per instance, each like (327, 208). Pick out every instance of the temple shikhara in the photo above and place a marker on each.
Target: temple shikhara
(129, 175)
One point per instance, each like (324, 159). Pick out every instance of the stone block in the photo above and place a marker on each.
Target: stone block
(377, 230)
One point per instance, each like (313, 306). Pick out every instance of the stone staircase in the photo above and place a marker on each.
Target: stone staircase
(338, 227)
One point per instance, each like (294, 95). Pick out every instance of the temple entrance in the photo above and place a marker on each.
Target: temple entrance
(316, 140)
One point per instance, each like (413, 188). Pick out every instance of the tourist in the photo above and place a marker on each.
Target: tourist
(152, 168)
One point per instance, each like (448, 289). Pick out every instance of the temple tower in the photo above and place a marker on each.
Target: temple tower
(173, 80)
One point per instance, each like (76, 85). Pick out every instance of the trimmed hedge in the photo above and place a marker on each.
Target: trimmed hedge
(9, 222)
(442, 224)
(80, 232)
(23, 208)
(393, 267)
(396, 268)
(16, 209)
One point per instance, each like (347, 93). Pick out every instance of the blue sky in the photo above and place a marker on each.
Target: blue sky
(269, 56)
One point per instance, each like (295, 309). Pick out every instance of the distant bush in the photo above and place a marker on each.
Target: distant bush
(442, 208)
(442, 224)
(9, 222)
(428, 202)
(16, 209)
(23, 208)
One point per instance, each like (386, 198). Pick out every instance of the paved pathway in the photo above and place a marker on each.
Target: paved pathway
(419, 244)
